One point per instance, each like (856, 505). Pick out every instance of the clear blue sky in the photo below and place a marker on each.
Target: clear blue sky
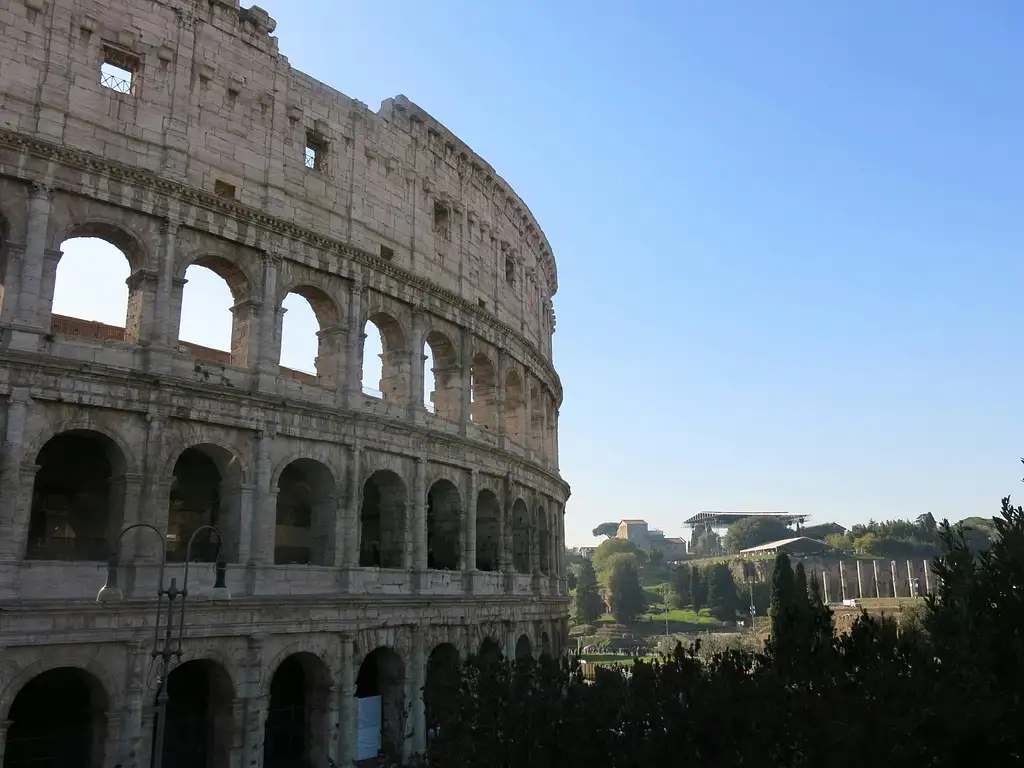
(789, 235)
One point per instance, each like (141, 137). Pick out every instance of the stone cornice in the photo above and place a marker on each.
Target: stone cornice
(66, 368)
(79, 159)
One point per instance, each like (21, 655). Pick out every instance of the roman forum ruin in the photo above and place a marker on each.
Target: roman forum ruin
(371, 535)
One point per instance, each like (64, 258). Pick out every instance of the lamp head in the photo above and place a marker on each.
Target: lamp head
(220, 588)
(110, 592)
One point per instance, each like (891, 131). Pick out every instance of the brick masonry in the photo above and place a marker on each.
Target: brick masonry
(204, 158)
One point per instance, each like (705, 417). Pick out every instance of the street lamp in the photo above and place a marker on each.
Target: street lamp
(171, 646)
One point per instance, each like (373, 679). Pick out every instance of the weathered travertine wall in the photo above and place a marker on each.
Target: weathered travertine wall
(350, 521)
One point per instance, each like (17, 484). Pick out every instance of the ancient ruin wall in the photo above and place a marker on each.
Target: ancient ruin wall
(213, 104)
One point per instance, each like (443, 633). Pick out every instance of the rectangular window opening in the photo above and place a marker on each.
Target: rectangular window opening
(510, 270)
(223, 189)
(387, 253)
(442, 221)
(316, 151)
(119, 70)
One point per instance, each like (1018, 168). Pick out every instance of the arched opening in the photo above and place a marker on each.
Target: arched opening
(488, 531)
(206, 488)
(380, 694)
(545, 645)
(515, 409)
(444, 520)
(441, 690)
(111, 308)
(524, 648)
(490, 651)
(543, 541)
(77, 498)
(310, 342)
(58, 719)
(385, 373)
(520, 537)
(444, 382)
(306, 511)
(483, 391)
(215, 316)
(199, 716)
(297, 728)
(382, 521)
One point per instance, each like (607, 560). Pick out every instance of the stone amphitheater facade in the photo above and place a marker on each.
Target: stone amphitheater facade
(369, 539)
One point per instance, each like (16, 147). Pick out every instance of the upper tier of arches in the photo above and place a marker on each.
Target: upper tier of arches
(224, 313)
(396, 183)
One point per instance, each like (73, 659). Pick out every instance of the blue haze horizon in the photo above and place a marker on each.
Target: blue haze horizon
(788, 239)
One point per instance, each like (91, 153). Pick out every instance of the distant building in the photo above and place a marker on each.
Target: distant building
(635, 531)
(588, 552)
(798, 545)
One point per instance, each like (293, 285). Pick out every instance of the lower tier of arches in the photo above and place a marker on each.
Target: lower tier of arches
(263, 699)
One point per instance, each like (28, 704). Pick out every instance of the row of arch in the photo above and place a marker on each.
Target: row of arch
(389, 360)
(80, 496)
(60, 717)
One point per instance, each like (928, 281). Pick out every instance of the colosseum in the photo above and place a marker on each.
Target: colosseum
(372, 536)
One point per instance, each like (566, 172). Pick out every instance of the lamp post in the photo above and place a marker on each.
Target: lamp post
(171, 646)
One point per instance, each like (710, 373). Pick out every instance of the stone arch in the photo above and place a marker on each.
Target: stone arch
(86, 423)
(380, 688)
(206, 489)
(543, 541)
(441, 687)
(297, 728)
(330, 338)
(490, 649)
(524, 648)
(382, 520)
(116, 232)
(488, 530)
(199, 727)
(521, 544)
(306, 511)
(77, 658)
(244, 311)
(395, 371)
(444, 526)
(444, 396)
(78, 497)
(58, 717)
(483, 391)
(515, 408)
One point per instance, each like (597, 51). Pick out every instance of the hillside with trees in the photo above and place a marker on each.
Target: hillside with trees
(944, 692)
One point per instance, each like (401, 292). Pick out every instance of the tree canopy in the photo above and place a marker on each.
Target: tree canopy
(606, 529)
(754, 531)
(942, 694)
(587, 605)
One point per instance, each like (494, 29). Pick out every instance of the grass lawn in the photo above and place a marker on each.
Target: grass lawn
(610, 659)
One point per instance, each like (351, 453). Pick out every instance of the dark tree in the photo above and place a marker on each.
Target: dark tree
(606, 529)
(625, 595)
(723, 598)
(679, 587)
(587, 605)
(754, 531)
(698, 588)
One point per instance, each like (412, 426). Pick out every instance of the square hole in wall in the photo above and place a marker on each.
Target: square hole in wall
(223, 189)
(481, 303)
(442, 220)
(316, 152)
(119, 70)
(386, 253)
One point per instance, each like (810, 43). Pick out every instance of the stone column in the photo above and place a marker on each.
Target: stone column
(416, 362)
(499, 399)
(135, 742)
(245, 334)
(545, 453)
(860, 581)
(47, 285)
(534, 519)
(140, 321)
(13, 451)
(528, 446)
(31, 279)
(356, 336)
(9, 309)
(842, 581)
(554, 442)
(125, 496)
(251, 710)
(469, 557)
(927, 578)
(416, 731)
(4, 727)
(418, 523)
(466, 385)
(164, 286)
(264, 506)
(266, 361)
(344, 742)
(350, 525)
(156, 488)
